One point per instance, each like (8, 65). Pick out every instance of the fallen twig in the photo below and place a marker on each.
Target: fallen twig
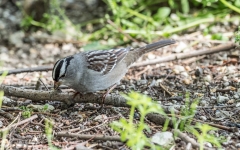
(111, 99)
(166, 90)
(16, 71)
(203, 40)
(222, 47)
(77, 129)
(68, 98)
(29, 146)
(6, 114)
(193, 59)
(230, 129)
(20, 123)
(86, 137)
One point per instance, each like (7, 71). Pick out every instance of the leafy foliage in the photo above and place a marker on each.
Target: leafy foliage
(237, 36)
(1, 92)
(204, 136)
(54, 20)
(49, 133)
(27, 112)
(141, 19)
(133, 133)
(3, 135)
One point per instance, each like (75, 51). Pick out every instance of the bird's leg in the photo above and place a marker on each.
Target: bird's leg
(106, 93)
(75, 94)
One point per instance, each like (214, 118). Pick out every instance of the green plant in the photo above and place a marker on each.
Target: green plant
(204, 136)
(4, 137)
(200, 131)
(48, 131)
(5, 132)
(1, 92)
(237, 36)
(148, 19)
(133, 133)
(188, 111)
(27, 112)
(54, 20)
(141, 19)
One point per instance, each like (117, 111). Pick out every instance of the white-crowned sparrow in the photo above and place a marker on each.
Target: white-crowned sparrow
(98, 70)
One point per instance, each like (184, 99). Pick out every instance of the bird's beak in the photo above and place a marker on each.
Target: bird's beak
(56, 85)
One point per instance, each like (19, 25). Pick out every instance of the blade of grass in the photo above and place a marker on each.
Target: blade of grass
(174, 30)
(135, 13)
(234, 8)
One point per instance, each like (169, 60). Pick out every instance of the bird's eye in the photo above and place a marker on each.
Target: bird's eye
(63, 76)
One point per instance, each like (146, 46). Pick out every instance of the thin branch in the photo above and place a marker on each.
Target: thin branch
(7, 115)
(20, 123)
(111, 99)
(68, 98)
(16, 71)
(222, 47)
(86, 137)
(230, 129)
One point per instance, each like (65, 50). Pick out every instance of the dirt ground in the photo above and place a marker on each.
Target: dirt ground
(212, 78)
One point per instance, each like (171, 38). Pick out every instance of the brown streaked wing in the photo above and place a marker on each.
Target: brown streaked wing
(104, 61)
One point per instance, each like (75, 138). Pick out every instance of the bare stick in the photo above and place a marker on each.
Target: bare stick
(28, 146)
(20, 123)
(111, 99)
(86, 137)
(16, 71)
(222, 47)
(37, 95)
(5, 114)
(230, 129)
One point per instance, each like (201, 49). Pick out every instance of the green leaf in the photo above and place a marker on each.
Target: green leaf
(163, 12)
(185, 6)
(237, 3)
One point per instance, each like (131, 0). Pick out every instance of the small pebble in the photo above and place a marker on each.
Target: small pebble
(236, 96)
(203, 103)
(237, 145)
(122, 87)
(218, 114)
(177, 69)
(181, 47)
(203, 118)
(238, 105)
(208, 78)
(231, 101)
(186, 81)
(163, 138)
(143, 82)
(100, 118)
(198, 72)
(184, 73)
(226, 83)
(213, 98)
(208, 144)
(146, 92)
(222, 99)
